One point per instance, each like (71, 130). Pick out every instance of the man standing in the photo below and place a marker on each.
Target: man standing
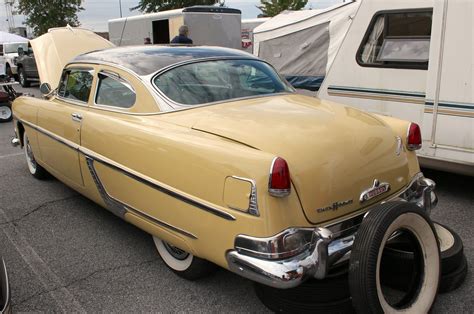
(182, 38)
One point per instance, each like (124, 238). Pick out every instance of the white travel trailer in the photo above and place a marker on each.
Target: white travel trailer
(301, 45)
(208, 25)
(247, 27)
(9, 44)
(413, 60)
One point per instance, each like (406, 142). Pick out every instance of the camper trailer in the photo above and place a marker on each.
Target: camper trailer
(301, 45)
(248, 25)
(413, 60)
(208, 25)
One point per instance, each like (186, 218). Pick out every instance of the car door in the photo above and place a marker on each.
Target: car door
(61, 121)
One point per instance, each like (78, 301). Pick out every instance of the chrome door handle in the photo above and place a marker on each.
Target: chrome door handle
(76, 117)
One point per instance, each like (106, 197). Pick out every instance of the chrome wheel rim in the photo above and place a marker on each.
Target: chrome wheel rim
(5, 112)
(176, 252)
(30, 158)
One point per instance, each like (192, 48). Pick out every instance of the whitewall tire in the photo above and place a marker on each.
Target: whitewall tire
(182, 263)
(35, 169)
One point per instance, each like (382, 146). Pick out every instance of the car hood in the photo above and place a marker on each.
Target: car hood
(334, 152)
(59, 46)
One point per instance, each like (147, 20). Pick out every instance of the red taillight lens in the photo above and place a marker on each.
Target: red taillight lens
(279, 184)
(414, 137)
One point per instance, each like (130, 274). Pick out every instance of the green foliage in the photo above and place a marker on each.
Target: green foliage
(149, 6)
(274, 7)
(42, 15)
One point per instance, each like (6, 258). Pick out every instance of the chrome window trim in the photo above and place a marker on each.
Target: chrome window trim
(253, 204)
(175, 104)
(161, 187)
(119, 79)
(74, 101)
(125, 69)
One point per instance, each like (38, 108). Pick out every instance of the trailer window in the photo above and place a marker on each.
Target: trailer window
(397, 39)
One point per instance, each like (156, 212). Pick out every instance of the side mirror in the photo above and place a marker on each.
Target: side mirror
(20, 51)
(45, 88)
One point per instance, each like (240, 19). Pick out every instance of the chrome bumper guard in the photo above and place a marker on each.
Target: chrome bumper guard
(252, 257)
(15, 141)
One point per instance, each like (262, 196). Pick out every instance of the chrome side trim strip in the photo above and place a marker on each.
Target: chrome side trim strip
(135, 175)
(120, 209)
(157, 185)
(51, 135)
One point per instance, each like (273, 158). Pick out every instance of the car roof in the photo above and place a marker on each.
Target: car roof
(148, 59)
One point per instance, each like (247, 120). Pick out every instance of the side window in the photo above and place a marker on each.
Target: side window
(114, 91)
(397, 40)
(76, 84)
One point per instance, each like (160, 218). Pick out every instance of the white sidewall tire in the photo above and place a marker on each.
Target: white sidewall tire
(445, 238)
(33, 168)
(421, 229)
(171, 261)
(5, 113)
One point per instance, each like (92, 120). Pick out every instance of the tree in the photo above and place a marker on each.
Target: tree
(42, 15)
(149, 6)
(274, 7)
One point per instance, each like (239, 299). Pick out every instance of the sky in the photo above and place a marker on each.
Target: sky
(98, 12)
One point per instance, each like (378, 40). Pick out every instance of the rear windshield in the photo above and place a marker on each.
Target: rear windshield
(211, 81)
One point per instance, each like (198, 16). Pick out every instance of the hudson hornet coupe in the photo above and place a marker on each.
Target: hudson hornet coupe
(212, 153)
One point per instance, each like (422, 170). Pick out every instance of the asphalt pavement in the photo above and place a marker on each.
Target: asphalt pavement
(65, 253)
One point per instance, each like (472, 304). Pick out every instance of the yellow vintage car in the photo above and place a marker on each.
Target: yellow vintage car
(211, 152)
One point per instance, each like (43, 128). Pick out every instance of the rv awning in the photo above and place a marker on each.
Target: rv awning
(11, 38)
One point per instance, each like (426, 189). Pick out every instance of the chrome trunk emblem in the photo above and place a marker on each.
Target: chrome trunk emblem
(376, 190)
(334, 206)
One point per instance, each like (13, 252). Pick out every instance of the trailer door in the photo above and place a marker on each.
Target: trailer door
(161, 32)
(450, 93)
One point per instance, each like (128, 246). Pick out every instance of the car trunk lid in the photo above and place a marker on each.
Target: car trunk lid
(334, 152)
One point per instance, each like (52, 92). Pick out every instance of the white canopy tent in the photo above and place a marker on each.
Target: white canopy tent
(301, 45)
(11, 38)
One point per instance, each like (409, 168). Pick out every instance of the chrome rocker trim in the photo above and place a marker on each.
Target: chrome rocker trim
(325, 250)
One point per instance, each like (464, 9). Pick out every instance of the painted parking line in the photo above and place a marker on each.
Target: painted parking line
(50, 281)
(11, 155)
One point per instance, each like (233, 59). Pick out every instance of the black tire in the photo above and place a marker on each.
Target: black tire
(188, 267)
(283, 305)
(334, 288)
(365, 273)
(8, 71)
(35, 169)
(6, 113)
(454, 280)
(451, 248)
(23, 78)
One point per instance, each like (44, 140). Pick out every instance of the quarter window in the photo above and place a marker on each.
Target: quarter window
(397, 40)
(114, 91)
(76, 85)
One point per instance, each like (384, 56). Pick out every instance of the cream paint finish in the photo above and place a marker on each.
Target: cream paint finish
(329, 149)
(59, 46)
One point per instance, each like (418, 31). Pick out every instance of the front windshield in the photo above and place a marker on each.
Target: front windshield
(211, 81)
(12, 48)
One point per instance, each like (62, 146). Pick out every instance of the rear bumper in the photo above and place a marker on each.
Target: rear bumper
(5, 297)
(329, 246)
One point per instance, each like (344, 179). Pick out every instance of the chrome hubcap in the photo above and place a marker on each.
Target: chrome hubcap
(29, 156)
(5, 112)
(176, 252)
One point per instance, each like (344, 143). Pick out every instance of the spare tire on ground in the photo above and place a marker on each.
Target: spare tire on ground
(330, 295)
(397, 263)
(368, 291)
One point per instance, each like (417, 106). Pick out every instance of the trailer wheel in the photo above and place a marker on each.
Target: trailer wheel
(369, 294)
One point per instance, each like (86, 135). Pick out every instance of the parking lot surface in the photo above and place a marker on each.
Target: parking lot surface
(65, 253)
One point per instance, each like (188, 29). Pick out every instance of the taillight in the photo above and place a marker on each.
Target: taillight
(279, 184)
(414, 137)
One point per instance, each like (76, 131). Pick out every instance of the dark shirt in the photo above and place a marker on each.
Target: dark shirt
(181, 39)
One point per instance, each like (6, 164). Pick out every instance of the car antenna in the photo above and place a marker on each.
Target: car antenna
(123, 29)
